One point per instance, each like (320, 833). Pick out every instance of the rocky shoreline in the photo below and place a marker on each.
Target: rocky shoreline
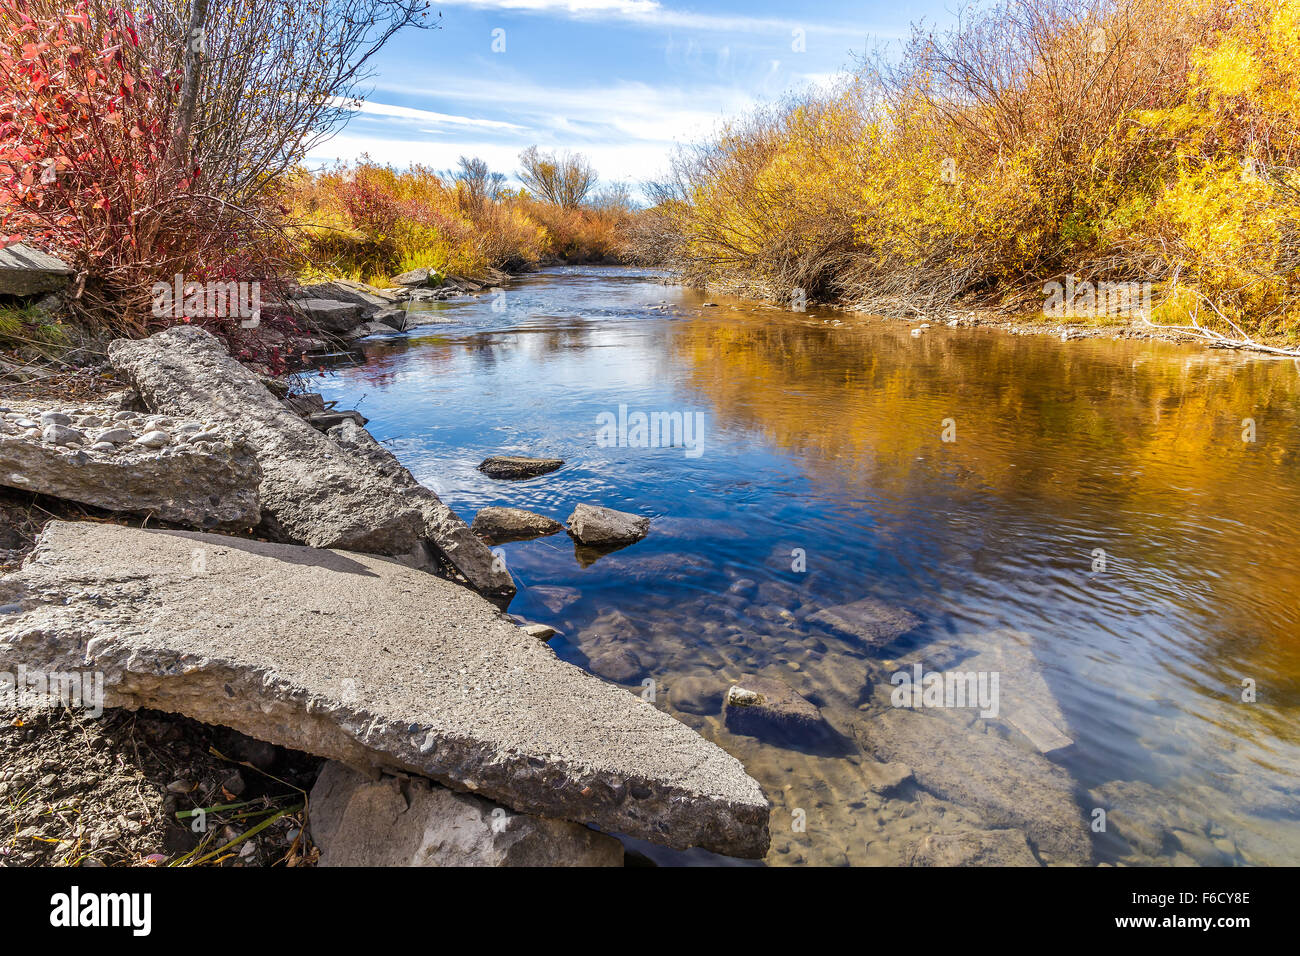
(345, 619)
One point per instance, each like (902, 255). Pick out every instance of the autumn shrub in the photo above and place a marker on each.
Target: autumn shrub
(1111, 139)
(88, 170)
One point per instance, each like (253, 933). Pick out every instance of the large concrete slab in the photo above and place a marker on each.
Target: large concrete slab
(371, 663)
(313, 491)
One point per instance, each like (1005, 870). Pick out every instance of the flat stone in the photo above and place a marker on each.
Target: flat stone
(516, 467)
(873, 622)
(409, 821)
(604, 527)
(212, 488)
(495, 524)
(696, 695)
(62, 435)
(973, 848)
(382, 667)
(25, 271)
(319, 490)
(324, 421)
(1009, 786)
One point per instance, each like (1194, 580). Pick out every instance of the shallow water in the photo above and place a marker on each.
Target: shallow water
(823, 436)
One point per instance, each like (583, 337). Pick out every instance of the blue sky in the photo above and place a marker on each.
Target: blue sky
(619, 80)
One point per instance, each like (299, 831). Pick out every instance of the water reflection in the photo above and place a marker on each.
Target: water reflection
(826, 440)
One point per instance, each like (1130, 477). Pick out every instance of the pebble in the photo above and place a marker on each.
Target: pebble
(25, 423)
(55, 418)
(154, 439)
(205, 436)
(56, 434)
(103, 446)
(179, 786)
(117, 435)
(125, 416)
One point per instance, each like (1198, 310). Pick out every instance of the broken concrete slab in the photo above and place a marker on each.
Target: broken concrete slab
(600, 527)
(187, 475)
(314, 490)
(362, 660)
(408, 821)
(25, 271)
(1008, 785)
(495, 525)
(872, 622)
(441, 526)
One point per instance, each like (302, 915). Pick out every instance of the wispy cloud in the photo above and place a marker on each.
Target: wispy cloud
(649, 13)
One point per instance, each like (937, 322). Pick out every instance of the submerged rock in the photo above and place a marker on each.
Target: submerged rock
(1008, 785)
(517, 467)
(973, 848)
(769, 707)
(409, 821)
(873, 622)
(606, 528)
(362, 660)
(496, 524)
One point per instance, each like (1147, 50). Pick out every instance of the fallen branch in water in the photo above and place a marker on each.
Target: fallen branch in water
(1245, 343)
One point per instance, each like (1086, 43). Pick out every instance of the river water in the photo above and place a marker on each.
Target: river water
(1089, 516)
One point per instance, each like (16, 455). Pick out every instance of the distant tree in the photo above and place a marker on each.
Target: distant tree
(564, 178)
(479, 181)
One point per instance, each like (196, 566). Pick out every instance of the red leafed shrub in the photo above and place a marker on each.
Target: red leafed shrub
(88, 170)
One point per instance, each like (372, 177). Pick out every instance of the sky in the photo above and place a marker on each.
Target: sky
(621, 81)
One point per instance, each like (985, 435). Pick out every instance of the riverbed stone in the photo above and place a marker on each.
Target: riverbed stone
(973, 848)
(417, 277)
(362, 660)
(316, 489)
(758, 706)
(213, 488)
(496, 524)
(409, 821)
(872, 622)
(518, 467)
(1008, 785)
(606, 528)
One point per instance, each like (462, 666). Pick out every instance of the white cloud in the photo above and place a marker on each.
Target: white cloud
(425, 116)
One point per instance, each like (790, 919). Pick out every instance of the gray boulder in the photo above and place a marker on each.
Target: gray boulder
(495, 525)
(418, 277)
(606, 528)
(409, 821)
(332, 316)
(360, 659)
(314, 489)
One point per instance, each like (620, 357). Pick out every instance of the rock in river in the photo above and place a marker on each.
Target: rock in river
(495, 525)
(365, 661)
(873, 622)
(769, 707)
(515, 467)
(605, 527)
(408, 821)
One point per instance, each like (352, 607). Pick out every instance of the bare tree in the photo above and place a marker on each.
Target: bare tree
(278, 78)
(564, 178)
